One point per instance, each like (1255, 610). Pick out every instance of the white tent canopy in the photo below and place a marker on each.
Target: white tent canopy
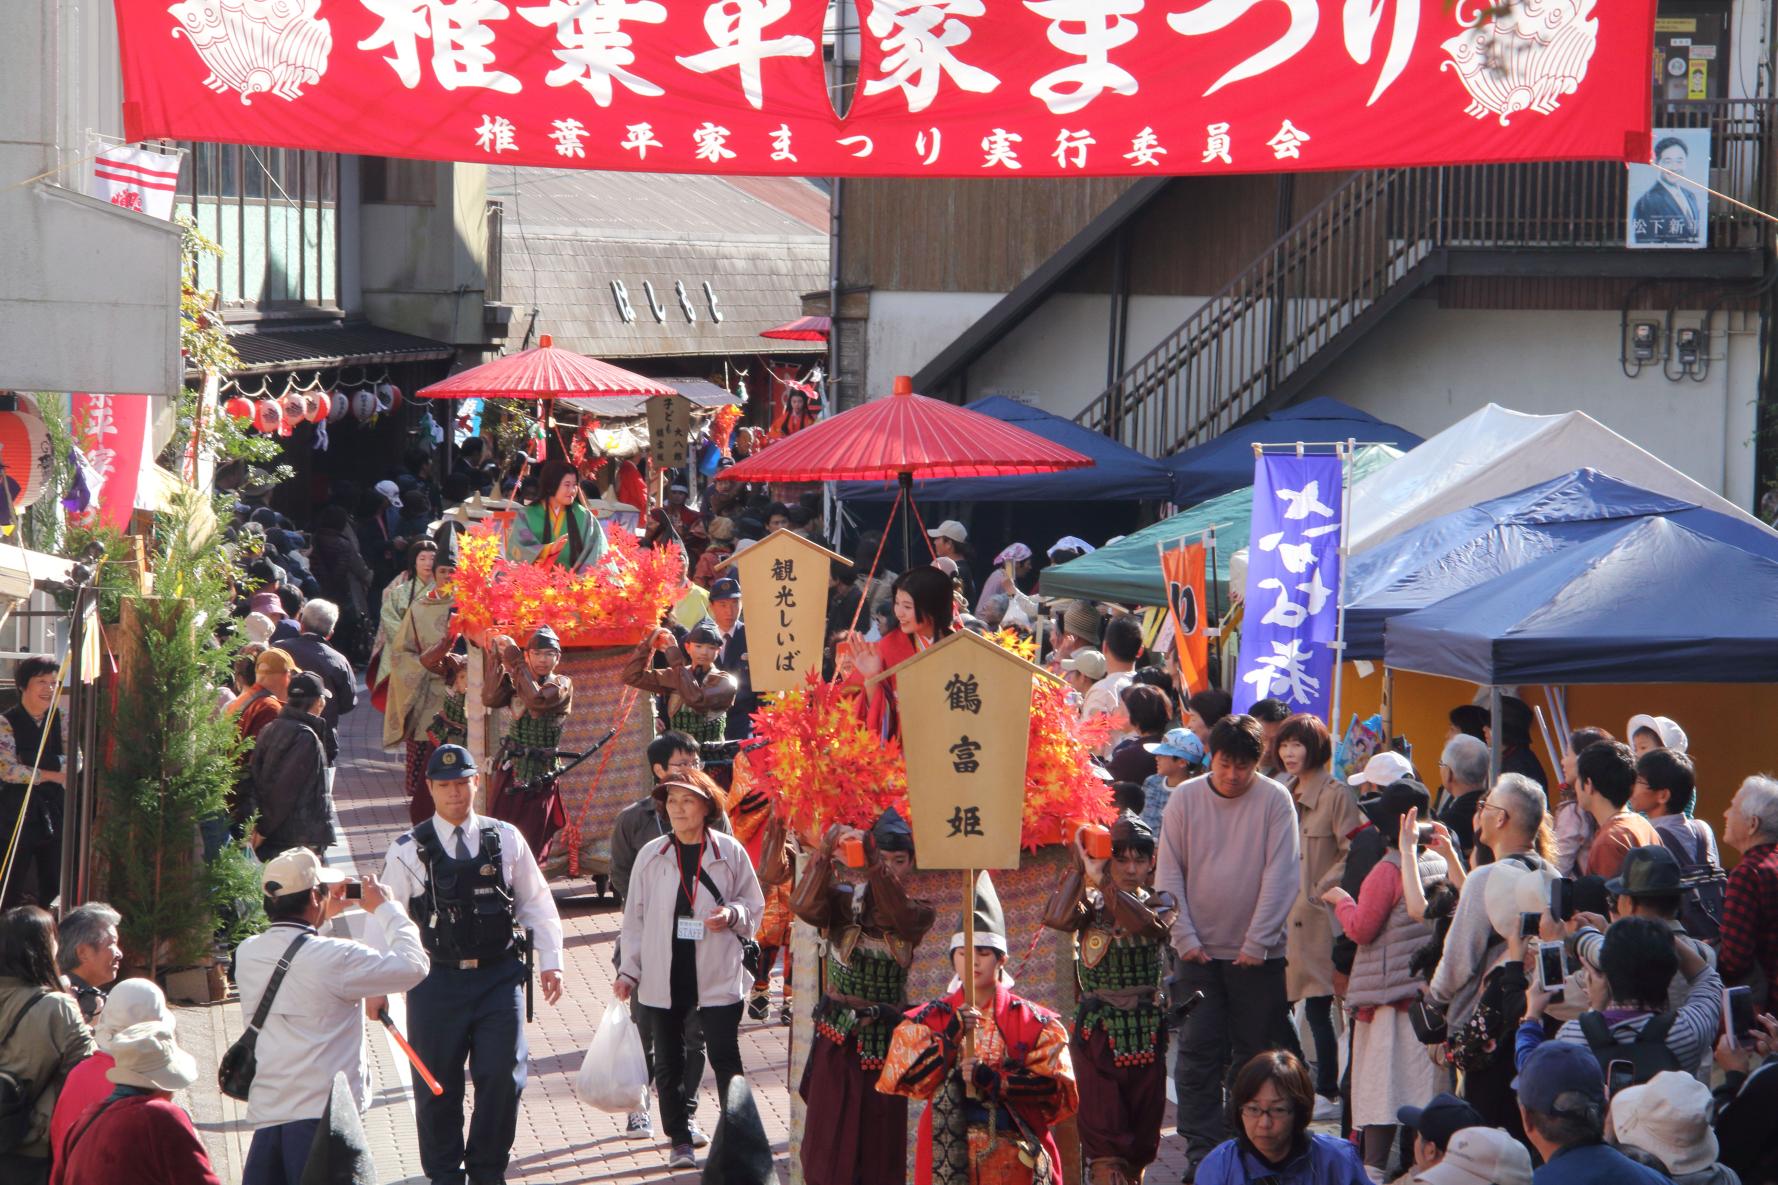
(1497, 451)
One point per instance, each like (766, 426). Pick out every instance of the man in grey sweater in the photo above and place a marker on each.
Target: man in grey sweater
(1228, 855)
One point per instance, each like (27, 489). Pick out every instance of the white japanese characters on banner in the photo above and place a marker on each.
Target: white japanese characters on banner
(136, 179)
(1293, 578)
(945, 87)
(110, 430)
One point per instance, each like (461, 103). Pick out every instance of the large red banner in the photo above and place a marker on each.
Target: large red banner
(958, 88)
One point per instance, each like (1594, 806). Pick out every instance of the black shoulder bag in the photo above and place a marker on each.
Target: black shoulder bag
(16, 1095)
(234, 1076)
(749, 947)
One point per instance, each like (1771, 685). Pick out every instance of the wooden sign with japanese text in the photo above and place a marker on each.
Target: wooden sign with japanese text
(965, 731)
(784, 606)
(669, 432)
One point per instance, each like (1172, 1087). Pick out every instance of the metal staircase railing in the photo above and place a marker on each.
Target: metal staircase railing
(1370, 244)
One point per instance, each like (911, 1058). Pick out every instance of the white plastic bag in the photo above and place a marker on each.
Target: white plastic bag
(614, 1075)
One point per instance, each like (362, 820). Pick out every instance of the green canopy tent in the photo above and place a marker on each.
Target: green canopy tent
(1128, 572)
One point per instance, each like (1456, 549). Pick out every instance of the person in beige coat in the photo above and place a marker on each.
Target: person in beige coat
(45, 1036)
(1327, 815)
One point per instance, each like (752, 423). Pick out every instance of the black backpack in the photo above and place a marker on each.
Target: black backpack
(1646, 1056)
(1700, 904)
(17, 1096)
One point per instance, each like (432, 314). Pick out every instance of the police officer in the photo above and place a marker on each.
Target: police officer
(467, 881)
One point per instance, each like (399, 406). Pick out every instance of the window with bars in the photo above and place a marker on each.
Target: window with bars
(275, 212)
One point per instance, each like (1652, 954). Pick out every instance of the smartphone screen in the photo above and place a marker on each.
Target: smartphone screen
(1562, 899)
(1552, 968)
(1740, 1013)
(1618, 1076)
(1529, 923)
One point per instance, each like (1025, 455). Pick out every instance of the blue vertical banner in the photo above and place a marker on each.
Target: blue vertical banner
(1293, 580)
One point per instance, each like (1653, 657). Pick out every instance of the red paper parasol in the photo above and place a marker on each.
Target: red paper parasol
(803, 329)
(545, 372)
(905, 436)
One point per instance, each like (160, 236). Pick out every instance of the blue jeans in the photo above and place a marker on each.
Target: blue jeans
(278, 1154)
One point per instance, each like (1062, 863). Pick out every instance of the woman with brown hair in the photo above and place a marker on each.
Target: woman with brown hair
(1327, 816)
(1269, 1107)
(42, 1035)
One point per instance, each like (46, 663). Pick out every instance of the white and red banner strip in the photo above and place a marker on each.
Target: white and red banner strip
(136, 179)
(959, 88)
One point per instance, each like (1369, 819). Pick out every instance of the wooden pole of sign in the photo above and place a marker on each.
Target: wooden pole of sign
(968, 975)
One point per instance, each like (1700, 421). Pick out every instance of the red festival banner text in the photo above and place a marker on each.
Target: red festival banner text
(956, 88)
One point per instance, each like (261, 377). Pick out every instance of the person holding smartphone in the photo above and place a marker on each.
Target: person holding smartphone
(316, 1025)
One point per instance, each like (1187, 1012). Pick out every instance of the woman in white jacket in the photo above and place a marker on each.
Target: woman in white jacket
(693, 902)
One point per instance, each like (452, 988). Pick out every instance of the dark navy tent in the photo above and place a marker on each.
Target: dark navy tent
(1119, 474)
(1650, 602)
(1459, 551)
(1226, 463)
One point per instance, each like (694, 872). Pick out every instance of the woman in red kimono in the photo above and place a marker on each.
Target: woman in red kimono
(923, 608)
(991, 1115)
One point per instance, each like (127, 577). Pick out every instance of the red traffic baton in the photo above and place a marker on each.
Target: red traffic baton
(425, 1074)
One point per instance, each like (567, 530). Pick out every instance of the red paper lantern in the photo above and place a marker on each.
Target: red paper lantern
(26, 450)
(318, 407)
(267, 417)
(240, 407)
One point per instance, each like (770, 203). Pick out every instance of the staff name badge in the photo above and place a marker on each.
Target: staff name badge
(689, 929)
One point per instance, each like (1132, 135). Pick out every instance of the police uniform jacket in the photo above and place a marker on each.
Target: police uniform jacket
(647, 940)
(533, 907)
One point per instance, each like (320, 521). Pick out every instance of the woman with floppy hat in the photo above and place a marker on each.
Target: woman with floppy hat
(692, 906)
(136, 1133)
(130, 1002)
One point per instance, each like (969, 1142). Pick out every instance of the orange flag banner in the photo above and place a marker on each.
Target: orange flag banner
(1183, 569)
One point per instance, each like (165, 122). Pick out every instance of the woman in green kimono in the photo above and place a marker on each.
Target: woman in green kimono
(558, 525)
(417, 689)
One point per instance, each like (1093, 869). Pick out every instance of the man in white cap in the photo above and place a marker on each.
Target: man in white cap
(1669, 1118)
(1480, 1156)
(137, 1133)
(950, 540)
(1383, 769)
(314, 1025)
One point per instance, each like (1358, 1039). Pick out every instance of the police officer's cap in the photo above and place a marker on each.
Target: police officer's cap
(450, 763)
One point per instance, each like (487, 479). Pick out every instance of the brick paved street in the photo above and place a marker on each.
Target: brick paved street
(560, 1141)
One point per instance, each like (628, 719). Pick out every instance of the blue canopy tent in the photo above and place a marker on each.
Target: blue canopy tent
(1459, 551)
(1119, 474)
(1626, 607)
(1226, 463)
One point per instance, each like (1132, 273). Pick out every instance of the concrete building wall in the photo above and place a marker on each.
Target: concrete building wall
(89, 292)
(423, 269)
(1425, 368)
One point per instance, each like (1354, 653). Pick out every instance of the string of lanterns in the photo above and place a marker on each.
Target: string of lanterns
(311, 403)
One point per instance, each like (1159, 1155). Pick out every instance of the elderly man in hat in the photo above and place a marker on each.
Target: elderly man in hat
(871, 926)
(313, 1022)
(471, 881)
(524, 788)
(694, 694)
(996, 1099)
(289, 774)
(1120, 929)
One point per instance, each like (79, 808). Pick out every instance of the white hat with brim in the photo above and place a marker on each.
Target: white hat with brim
(1669, 1115)
(1480, 1156)
(131, 1002)
(1512, 889)
(1383, 769)
(1672, 736)
(295, 871)
(950, 529)
(147, 1057)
